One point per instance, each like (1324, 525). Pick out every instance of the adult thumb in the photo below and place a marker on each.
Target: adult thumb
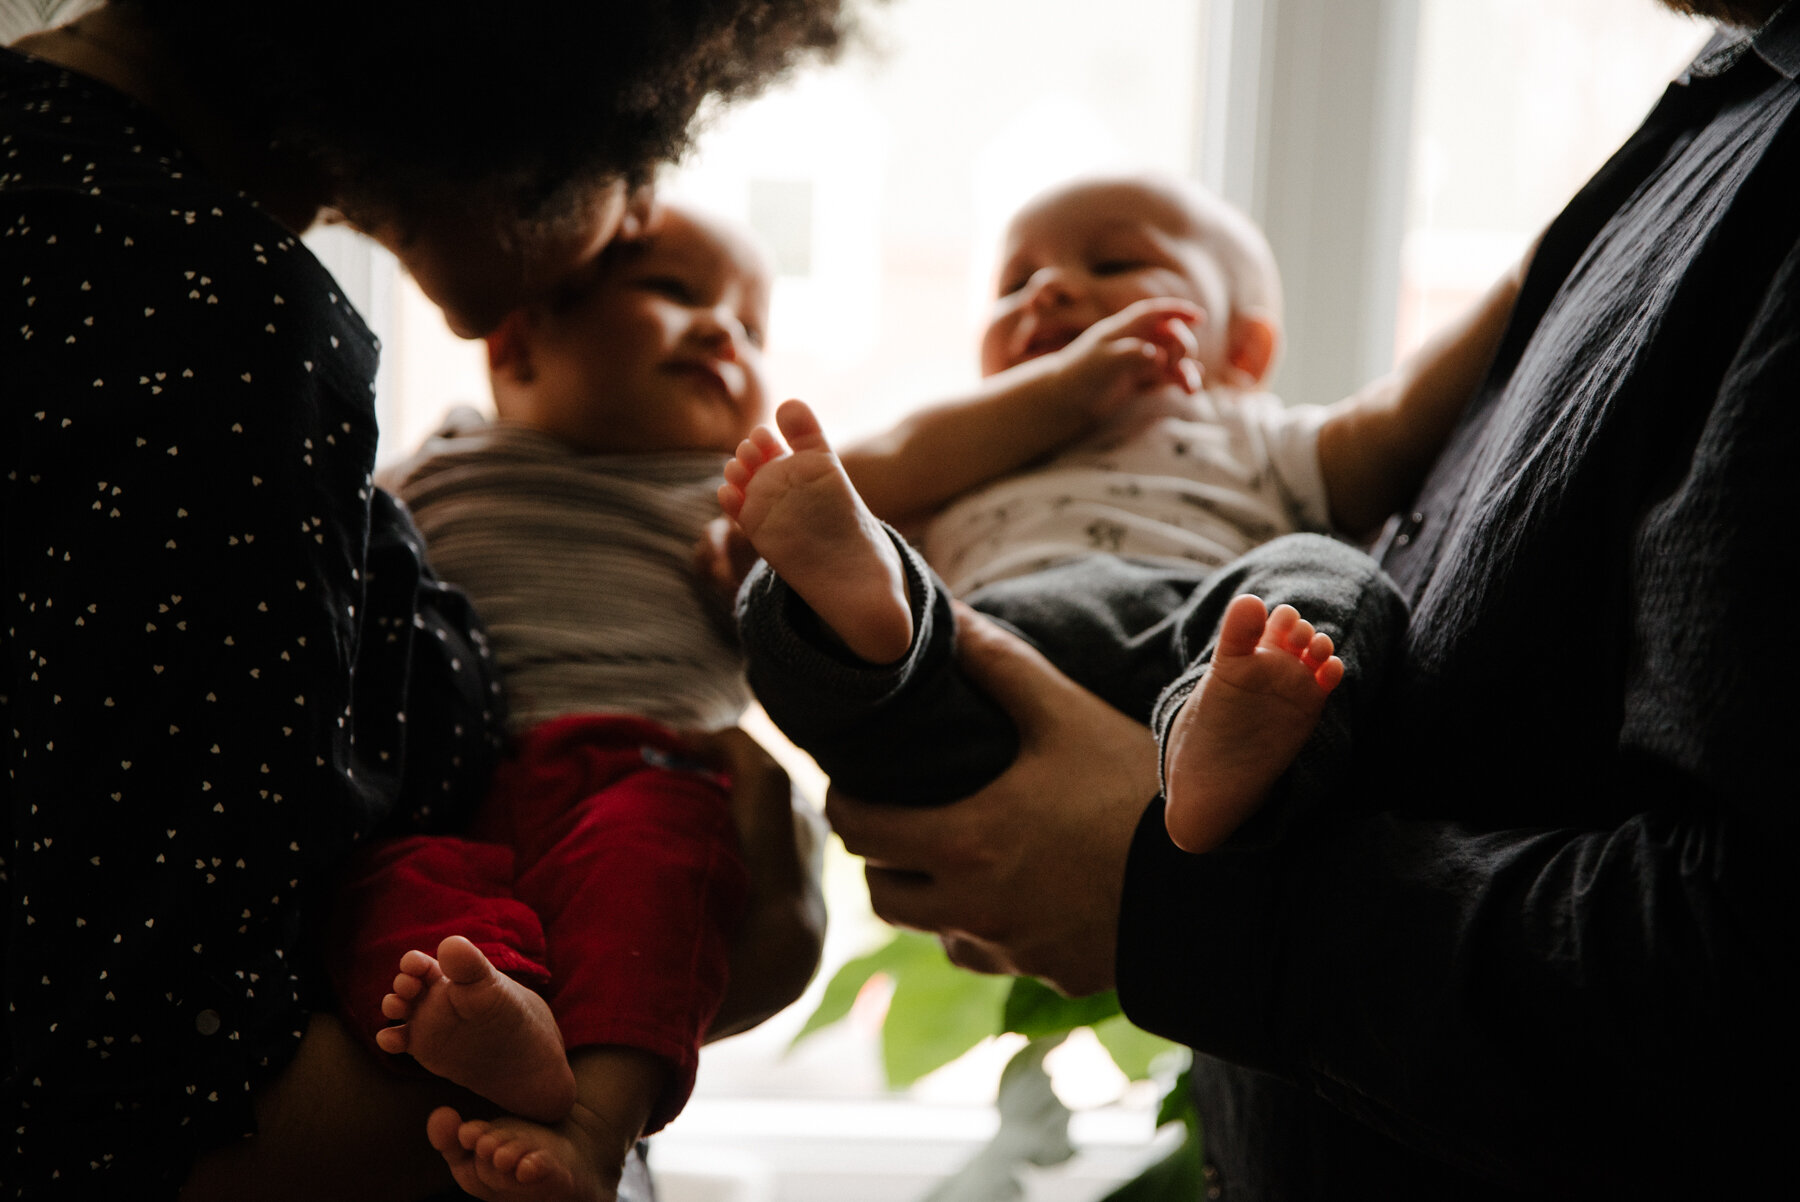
(1012, 672)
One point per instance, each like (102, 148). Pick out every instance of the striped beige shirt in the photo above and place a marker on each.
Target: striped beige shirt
(582, 567)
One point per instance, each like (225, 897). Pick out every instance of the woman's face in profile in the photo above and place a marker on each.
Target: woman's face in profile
(477, 272)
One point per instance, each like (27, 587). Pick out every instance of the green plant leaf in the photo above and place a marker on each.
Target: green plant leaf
(938, 1011)
(1133, 1049)
(1178, 1104)
(1033, 1009)
(847, 982)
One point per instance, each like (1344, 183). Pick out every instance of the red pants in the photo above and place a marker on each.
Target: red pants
(597, 873)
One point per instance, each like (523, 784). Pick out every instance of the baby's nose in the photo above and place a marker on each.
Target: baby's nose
(722, 333)
(1049, 286)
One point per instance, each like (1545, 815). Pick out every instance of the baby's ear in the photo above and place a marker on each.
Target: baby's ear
(1250, 347)
(509, 348)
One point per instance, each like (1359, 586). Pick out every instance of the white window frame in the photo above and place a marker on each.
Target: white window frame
(1307, 129)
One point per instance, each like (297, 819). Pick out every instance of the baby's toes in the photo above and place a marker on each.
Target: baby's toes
(1281, 623)
(419, 965)
(768, 445)
(506, 1156)
(533, 1166)
(471, 1133)
(407, 988)
(1300, 637)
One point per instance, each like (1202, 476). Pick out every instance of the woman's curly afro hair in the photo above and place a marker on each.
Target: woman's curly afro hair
(402, 100)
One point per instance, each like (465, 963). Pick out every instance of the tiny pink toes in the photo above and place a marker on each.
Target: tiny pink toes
(391, 1039)
(1317, 651)
(1330, 674)
(749, 457)
(443, 1128)
(506, 1156)
(736, 473)
(531, 1168)
(1300, 637)
(801, 426)
(1243, 624)
(395, 1006)
(418, 964)
(731, 500)
(1281, 621)
(766, 444)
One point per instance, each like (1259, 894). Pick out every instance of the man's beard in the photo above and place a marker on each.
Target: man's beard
(1747, 13)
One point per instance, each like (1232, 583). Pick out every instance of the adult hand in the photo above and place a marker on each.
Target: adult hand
(777, 949)
(1025, 876)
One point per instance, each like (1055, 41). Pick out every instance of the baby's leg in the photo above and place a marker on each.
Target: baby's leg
(577, 1160)
(801, 513)
(1260, 699)
(480, 1029)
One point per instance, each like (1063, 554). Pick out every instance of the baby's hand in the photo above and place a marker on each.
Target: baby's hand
(1143, 347)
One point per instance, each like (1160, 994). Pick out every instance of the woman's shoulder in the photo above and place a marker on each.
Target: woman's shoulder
(112, 225)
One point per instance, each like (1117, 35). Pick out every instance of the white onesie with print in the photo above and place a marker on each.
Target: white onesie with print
(1231, 472)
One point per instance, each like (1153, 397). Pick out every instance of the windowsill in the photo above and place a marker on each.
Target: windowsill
(738, 1149)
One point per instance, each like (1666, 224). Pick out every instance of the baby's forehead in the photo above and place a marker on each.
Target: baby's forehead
(1096, 209)
(686, 241)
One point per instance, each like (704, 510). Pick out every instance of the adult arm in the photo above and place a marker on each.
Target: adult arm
(1376, 446)
(1020, 414)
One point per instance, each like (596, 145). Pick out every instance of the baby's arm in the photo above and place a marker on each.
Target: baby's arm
(1026, 411)
(1376, 446)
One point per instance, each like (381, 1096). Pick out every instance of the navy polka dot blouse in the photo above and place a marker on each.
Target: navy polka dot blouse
(224, 659)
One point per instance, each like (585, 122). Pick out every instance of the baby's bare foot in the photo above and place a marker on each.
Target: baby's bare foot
(1238, 732)
(514, 1160)
(474, 1026)
(801, 513)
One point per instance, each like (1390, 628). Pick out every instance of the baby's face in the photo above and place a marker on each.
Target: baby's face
(662, 349)
(1087, 251)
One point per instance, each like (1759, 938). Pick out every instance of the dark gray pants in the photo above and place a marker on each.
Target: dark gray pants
(918, 732)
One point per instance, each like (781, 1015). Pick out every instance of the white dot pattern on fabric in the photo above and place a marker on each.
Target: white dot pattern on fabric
(194, 433)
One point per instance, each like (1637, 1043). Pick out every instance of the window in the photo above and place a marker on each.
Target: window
(1518, 102)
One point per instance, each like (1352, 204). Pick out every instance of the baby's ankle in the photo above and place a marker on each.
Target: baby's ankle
(616, 1092)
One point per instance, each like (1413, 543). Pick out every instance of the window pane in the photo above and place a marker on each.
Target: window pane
(912, 157)
(1517, 103)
